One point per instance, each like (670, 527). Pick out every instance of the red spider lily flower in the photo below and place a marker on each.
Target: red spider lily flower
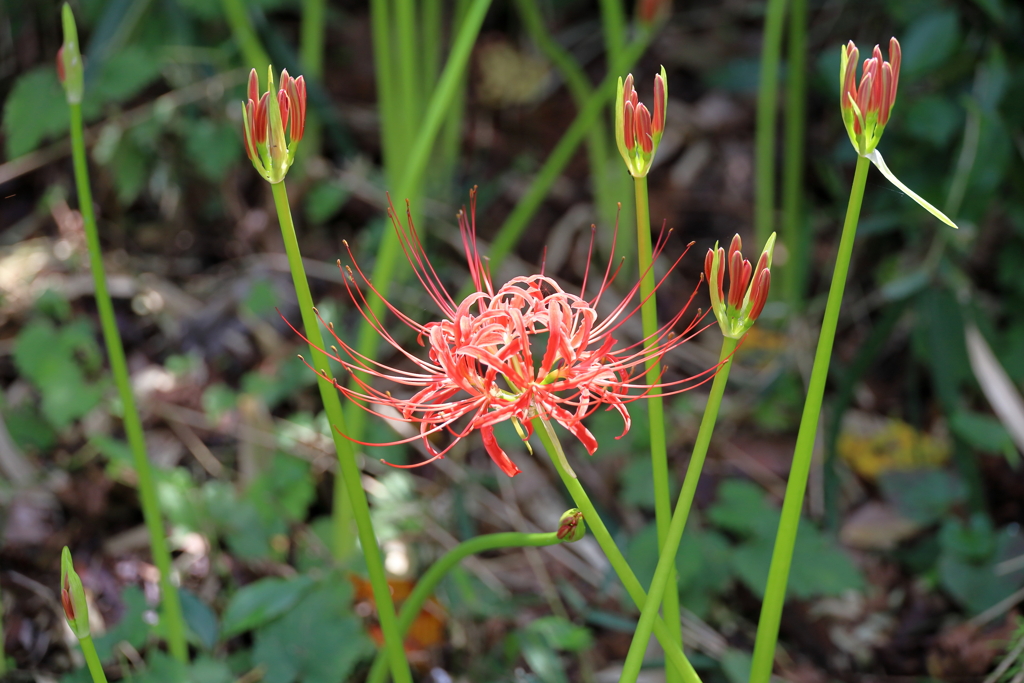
(637, 130)
(526, 349)
(267, 119)
(866, 107)
(748, 286)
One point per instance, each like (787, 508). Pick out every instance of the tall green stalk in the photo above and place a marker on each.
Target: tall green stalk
(665, 571)
(245, 35)
(408, 69)
(349, 470)
(415, 165)
(595, 525)
(428, 582)
(782, 555)
(175, 623)
(767, 102)
(797, 235)
(92, 660)
(656, 404)
(512, 229)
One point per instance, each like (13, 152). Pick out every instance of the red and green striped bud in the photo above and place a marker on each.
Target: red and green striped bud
(638, 130)
(273, 123)
(69, 59)
(72, 597)
(866, 105)
(571, 527)
(738, 309)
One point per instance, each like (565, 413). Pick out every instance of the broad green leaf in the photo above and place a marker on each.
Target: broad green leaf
(35, 110)
(923, 495)
(561, 634)
(200, 618)
(876, 159)
(261, 602)
(929, 42)
(324, 200)
(319, 640)
(131, 627)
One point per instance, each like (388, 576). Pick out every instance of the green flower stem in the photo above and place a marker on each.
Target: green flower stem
(409, 73)
(671, 645)
(349, 470)
(613, 21)
(175, 623)
(666, 562)
(655, 405)
(579, 87)
(512, 229)
(767, 102)
(380, 25)
(245, 35)
(415, 166)
(311, 37)
(92, 660)
(797, 238)
(782, 555)
(428, 582)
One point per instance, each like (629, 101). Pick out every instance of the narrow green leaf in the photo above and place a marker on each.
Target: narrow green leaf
(876, 159)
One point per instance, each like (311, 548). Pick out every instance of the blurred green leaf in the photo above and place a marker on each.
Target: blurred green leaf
(736, 665)
(261, 602)
(984, 433)
(35, 110)
(324, 200)
(131, 627)
(925, 495)
(929, 41)
(319, 640)
(637, 484)
(285, 490)
(213, 146)
(200, 618)
(933, 119)
(561, 634)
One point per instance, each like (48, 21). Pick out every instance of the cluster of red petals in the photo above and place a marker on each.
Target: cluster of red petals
(639, 126)
(291, 98)
(486, 362)
(740, 272)
(879, 79)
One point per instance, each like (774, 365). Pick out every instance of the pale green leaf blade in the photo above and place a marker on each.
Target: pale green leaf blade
(876, 159)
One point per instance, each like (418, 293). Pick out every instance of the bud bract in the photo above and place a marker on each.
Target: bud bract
(638, 130)
(570, 526)
(72, 597)
(748, 286)
(69, 59)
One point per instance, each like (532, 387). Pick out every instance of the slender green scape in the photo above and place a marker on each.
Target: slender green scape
(432, 577)
(767, 104)
(785, 540)
(656, 407)
(797, 237)
(665, 572)
(349, 470)
(173, 620)
(672, 647)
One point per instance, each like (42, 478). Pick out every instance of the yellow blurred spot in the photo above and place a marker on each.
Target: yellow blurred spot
(872, 445)
(509, 77)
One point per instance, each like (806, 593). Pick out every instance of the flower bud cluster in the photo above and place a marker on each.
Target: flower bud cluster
(69, 59)
(748, 286)
(273, 125)
(637, 129)
(866, 107)
(72, 597)
(571, 527)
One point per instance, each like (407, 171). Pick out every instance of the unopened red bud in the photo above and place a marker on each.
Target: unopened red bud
(709, 259)
(760, 296)
(887, 94)
(735, 246)
(628, 129)
(895, 58)
(282, 103)
(65, 601)
(864, 92)
(260, 119)
(60, 64)
(658, 121)
(254, 87)
(297, 95)
(643, 129)
(721, 273)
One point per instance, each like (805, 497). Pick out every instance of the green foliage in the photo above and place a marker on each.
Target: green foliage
(263, 601)
(924, 496)
(324, 200)
(970, 552)
(318, 640)
(58, 361)
(541, 641)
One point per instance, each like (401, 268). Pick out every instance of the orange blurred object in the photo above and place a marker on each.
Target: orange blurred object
(427, 629)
